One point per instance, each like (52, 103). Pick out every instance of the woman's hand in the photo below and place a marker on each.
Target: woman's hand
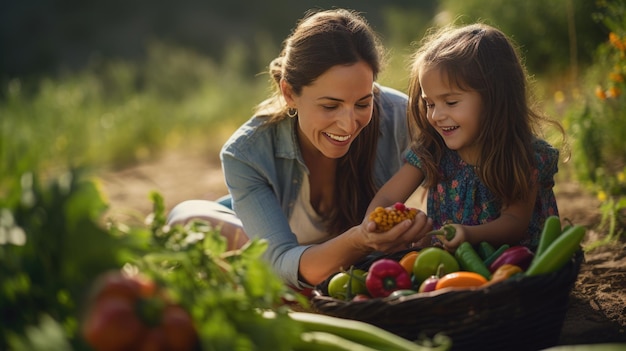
(403, 235)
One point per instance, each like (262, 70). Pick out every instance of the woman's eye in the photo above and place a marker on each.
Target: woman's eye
(363, 105)
(329, 107)
(451, 103)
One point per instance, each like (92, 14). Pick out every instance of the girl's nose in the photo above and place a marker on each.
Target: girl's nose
(436, 114)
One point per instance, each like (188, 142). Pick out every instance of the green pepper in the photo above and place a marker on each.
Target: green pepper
(470, 261)
(496, 254)
(386, 276)
(347, 284)
(558, 253)
(402, 292)
(485, 250)
(428, 261)
(448, 231)
(551, 231)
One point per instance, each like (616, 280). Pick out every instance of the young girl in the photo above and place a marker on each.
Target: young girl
(475, 147)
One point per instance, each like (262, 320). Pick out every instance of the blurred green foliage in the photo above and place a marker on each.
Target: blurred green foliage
(52, 244)
(553, 35)
(596, 120)
(115, 107)
(117, 112)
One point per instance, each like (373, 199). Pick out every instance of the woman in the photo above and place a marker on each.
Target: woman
(303, 170)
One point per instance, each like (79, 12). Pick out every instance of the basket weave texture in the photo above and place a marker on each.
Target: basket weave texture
(521, 313)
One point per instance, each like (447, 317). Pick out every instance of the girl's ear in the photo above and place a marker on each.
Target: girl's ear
(287, 91)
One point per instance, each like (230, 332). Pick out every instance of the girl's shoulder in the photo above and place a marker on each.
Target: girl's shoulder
(546, 157)
(544, 151)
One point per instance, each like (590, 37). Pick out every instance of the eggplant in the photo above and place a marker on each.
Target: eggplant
(519, 255)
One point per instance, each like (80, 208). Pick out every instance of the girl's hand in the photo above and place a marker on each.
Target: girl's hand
(460, 236)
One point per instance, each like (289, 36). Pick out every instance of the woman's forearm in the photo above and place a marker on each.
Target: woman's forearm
(318, 262)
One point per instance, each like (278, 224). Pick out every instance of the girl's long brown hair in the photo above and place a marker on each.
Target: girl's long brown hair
(320, 41)
(481, 58)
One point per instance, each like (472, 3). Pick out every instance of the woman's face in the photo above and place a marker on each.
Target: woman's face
(456, 114)
(334, 109)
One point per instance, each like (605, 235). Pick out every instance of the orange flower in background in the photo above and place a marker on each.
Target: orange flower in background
(617, 41)
(616, 77)
(600, 93)
(613, 92)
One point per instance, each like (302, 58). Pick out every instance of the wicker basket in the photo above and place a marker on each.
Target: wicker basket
(522, 313)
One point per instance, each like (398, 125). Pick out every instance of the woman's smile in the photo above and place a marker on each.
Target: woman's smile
(338, 138)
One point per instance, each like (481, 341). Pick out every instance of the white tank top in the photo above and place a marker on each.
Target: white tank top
(304, 221)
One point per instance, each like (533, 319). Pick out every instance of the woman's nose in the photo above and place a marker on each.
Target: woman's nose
(347, 120)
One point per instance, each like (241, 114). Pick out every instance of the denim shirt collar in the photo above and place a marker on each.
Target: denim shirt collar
(287, 141)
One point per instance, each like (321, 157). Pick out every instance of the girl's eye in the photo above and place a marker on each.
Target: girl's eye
(451, 103)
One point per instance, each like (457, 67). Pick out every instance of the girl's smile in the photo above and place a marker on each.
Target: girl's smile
(455, 113)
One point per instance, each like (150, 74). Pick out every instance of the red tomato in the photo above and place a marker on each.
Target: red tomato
(132, 313)
(113, 325)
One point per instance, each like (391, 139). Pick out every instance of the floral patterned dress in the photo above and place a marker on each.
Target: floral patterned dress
(461, 197)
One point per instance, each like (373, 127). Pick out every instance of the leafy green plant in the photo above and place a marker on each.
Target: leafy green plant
(599, 128)
(52, 244)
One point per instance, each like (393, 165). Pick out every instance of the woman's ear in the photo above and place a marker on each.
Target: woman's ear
(287, 91)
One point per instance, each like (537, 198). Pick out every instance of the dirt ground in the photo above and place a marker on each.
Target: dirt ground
(597, 310)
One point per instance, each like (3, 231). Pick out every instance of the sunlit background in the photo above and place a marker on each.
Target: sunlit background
(111, 83)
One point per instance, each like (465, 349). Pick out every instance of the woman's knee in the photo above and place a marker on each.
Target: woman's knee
(201, 209)
(214, 213)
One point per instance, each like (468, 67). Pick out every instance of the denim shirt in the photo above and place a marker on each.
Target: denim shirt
(264, 168)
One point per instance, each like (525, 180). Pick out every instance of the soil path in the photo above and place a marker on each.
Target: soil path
(597, 310)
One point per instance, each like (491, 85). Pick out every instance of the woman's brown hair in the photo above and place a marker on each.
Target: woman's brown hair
(320, 41)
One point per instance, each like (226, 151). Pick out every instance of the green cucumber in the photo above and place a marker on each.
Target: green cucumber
(551, 231)
(558, 253)
(496, 254)
(470, 261)
(485, 250)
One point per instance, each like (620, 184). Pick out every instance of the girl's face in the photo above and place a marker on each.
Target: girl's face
(334, 109)
(456, 114)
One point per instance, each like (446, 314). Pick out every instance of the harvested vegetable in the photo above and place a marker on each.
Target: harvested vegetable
(428, 262)
(496, 254)
(131, 312)
(431, 282)
(558, 253)
(386, 276)
(503, 273)
(460, 279)
(485, 250)
(551, 231)
(470, 261)
(365, 336)
(447, 231)
(347, 284)
(386, 218)
(408, 260)
(518, 255)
